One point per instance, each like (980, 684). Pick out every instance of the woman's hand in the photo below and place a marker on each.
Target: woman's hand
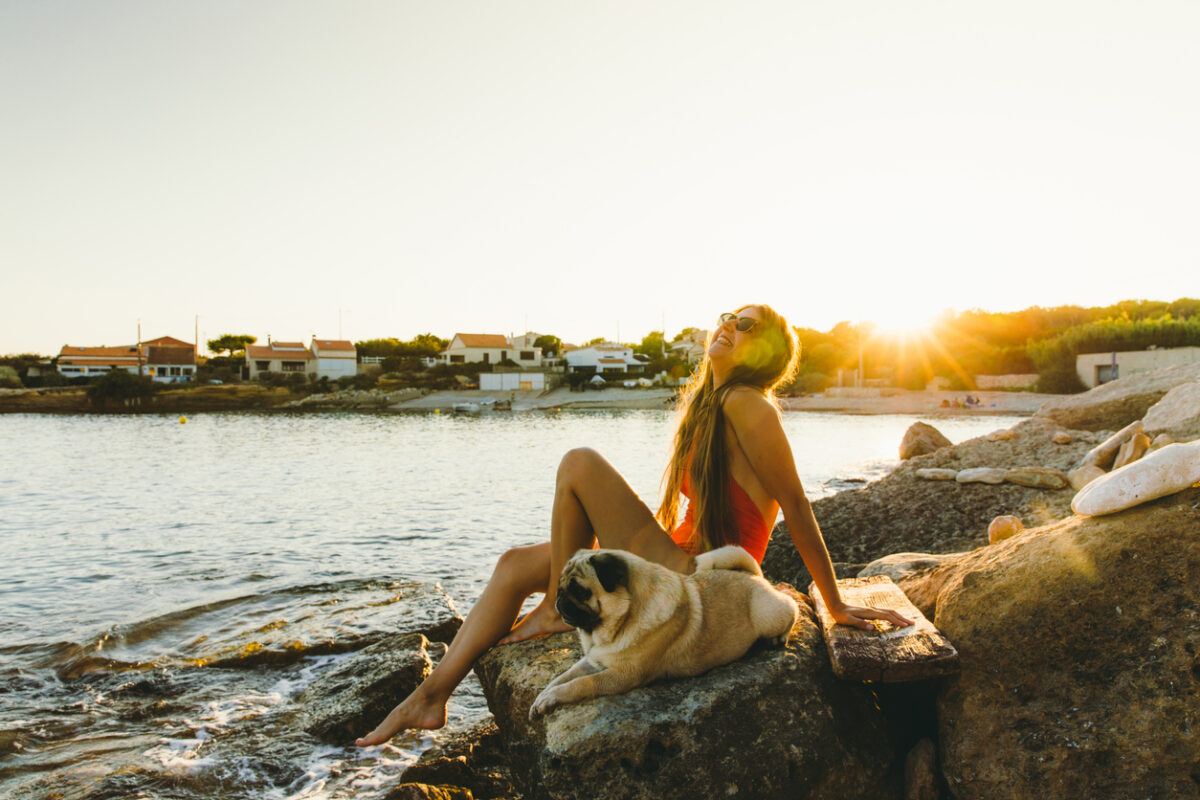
(861, 616)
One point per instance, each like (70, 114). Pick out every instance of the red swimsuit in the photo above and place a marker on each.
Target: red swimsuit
(753, 532)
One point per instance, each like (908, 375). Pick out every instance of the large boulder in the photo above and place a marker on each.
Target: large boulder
(1113, 405)
(921, 439)
(1079, 646)
(775, 724)
(1177, 414)
(902, 513)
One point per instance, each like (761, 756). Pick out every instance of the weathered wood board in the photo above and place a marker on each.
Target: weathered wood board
(888, 653)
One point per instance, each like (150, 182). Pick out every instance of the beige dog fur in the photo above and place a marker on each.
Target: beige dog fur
(639, 621)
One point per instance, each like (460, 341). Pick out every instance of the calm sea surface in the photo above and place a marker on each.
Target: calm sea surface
(107, 522)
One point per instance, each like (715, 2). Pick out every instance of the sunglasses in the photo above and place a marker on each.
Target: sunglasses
(743, 325)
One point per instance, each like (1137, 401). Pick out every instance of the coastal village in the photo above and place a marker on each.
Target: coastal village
(475, 372)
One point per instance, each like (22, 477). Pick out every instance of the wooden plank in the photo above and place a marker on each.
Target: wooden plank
(888, 653)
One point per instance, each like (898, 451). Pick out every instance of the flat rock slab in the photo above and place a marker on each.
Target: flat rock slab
(774, 724)
(888, 653)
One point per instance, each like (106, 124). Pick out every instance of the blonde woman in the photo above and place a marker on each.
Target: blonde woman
(731, 459)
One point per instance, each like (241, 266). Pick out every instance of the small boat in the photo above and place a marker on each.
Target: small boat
(466, 407)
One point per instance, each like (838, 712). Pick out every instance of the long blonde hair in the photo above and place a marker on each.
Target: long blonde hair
(700, 447)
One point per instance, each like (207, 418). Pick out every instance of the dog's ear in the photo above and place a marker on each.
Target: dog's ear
(610, 570)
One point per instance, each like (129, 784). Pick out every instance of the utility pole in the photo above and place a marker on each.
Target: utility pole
(139, 348)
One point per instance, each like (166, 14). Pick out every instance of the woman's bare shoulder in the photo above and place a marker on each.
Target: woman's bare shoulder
(747, 403)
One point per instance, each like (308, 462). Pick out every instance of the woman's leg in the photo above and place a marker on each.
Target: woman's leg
(519, 573)
(594, 503)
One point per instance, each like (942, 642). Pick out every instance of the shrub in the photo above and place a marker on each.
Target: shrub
(120, 386)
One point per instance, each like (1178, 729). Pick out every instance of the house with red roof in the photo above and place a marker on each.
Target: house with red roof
(325, 358)
(289, 358)
(489, 348)
(164, 360)
(335, 358)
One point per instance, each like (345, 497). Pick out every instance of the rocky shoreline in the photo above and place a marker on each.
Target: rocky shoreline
(1078, 639)
(255, 397)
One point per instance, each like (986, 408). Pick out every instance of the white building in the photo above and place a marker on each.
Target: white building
(605, 357)
(691, 347)
(488, 348)
(512, 381)
(334, 358)
(1097, 368)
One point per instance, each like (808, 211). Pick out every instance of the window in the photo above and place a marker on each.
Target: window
(527, 355)
(187, 370)
(292, 366)
(487, 357)
(458, 359)
(174, 370)
(262, 366)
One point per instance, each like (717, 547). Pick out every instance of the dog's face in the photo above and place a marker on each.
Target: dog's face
(593, 588)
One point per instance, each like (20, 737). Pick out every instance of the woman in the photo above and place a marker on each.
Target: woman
(733, 461)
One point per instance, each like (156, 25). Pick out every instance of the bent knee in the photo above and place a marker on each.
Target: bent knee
(523, 566)
(577, 462)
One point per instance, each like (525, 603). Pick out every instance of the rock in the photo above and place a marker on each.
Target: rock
(1177, 414)
(1002, 435)
(935, 474)
(921, 772)
(1162, 440)
(472, 759)
(1132, 450)
(350, 699)
(1167, 471)
(921, 439)
(1004, 527)
(773, 724)
(903, 513)
(1036, 477)
(1078, 650)
(1061, 437)
(897, 565)
(1112, 405)
(421, 791)
(1105, 453)
(1082, 476)
(981, 475)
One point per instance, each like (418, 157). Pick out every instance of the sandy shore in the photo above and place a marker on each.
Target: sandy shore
(897, 402)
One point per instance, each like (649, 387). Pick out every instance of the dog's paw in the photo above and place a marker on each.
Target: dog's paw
(545, 702)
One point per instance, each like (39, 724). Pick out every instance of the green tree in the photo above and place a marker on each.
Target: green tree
(231, 342)
(551, 345)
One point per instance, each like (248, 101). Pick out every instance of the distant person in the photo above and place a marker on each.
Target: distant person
(731, 458)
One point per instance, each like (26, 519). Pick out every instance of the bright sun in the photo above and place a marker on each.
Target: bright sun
(902, 324)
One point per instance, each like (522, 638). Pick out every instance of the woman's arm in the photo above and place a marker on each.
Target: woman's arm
(760, 433)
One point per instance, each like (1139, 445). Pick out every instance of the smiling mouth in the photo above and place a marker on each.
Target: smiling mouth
(725, 339)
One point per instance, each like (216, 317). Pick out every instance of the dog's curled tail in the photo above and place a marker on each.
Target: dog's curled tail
(728, 557)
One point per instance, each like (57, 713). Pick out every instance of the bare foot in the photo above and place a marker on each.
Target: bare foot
(413, 712)
(542, 621)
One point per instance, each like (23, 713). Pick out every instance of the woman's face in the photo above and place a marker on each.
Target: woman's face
(729, 344)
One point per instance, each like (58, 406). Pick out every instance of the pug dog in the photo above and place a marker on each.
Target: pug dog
(639, 621)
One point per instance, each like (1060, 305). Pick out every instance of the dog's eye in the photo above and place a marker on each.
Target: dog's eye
(578, 591)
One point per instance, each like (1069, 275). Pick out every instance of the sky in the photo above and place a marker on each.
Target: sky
(373, 169)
